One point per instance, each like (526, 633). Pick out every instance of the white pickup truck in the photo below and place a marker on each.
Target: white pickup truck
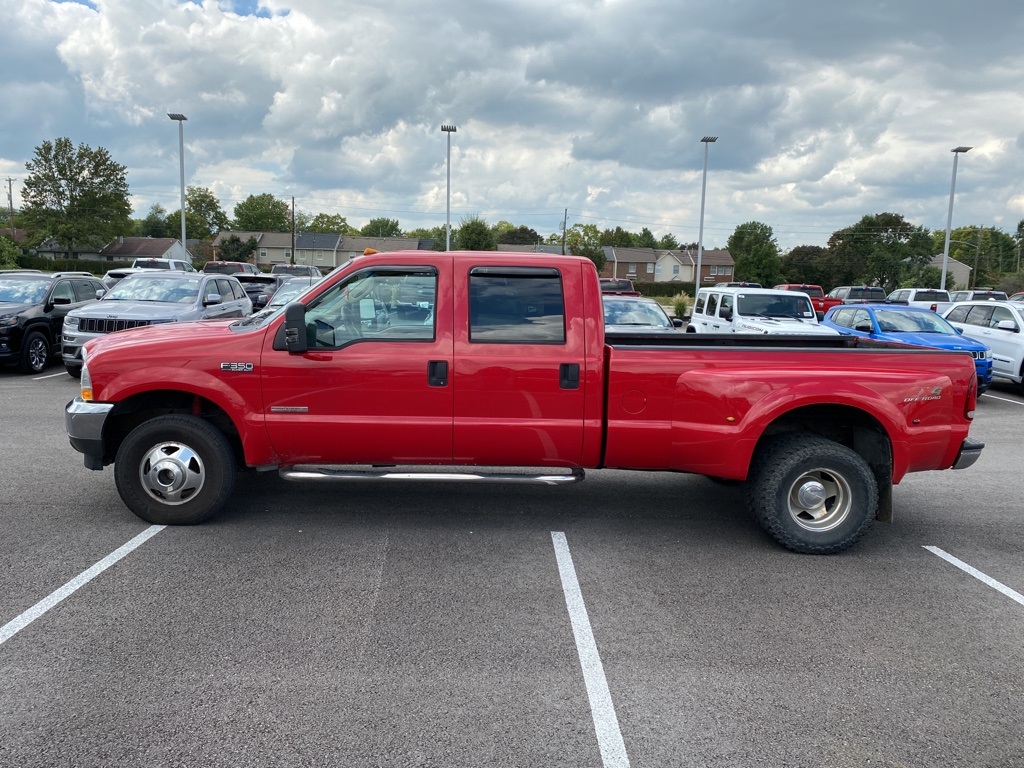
(755, 310)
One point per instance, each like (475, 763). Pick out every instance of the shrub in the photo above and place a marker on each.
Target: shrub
(681, 304)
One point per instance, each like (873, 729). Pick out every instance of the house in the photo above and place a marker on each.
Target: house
(354, 245)
(957, 273)
(51, 249)
(633, 263)
(131, 248)
(716, 265)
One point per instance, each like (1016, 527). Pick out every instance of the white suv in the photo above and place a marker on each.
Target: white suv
(1000, 326)
(920, 297)
(754, 310)
(179, 265)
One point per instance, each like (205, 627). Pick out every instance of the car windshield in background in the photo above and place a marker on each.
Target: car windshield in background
(774, 305)
(153, 288)
(620, 312)
(894, 321)
(616, 285)
(23, 291)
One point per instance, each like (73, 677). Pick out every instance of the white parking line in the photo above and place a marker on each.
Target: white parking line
(609, 738)
(1003, 399)
(49, 376)
(11, 628)
(999, 587)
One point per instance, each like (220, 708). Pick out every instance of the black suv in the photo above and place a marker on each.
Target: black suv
(32, 309)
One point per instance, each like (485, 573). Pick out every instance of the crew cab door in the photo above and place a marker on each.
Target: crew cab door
(374, 385)
(520, 369)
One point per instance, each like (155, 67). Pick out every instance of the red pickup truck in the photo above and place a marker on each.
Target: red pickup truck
(819, 300)
(462, 362)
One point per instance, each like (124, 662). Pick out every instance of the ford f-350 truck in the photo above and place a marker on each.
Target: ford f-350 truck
(496, 366)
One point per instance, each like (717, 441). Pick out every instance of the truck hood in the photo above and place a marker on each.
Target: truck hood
(134, 310)
(12, 308)
(177, 337)
(783, 325)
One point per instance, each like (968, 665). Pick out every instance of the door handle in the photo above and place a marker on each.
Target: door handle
(569, 376)
(437, 373)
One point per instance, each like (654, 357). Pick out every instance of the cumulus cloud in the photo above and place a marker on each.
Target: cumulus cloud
(824, 112)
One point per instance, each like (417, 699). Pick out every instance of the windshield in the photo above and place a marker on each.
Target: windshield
(23, 291)
(890, 321)
(619, 312)
(774, 305)
(221, 269)
(153, 288)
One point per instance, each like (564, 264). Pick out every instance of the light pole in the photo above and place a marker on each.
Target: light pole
(448, 129)
(180, 119)
(949, 216)
(703, 187)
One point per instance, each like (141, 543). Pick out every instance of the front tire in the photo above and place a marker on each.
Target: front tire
(35, 353)
(812, 495)
(175, 470)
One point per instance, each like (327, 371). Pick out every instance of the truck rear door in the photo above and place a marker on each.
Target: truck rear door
(374, 385)
(520, 366)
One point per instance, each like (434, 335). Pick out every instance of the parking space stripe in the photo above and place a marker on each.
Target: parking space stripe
(11, 628)
(49, 376)
(609, 738)
(999, 587)
(1002, 399)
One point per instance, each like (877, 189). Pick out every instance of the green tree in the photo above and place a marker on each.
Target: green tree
(807, 264)
(204, 217)
(521, 235)
(474, 234)
(79, 196)
(668, 242)
(755, 253)
(618, 238)
(8, 254)
(646, 239)
(327, 223)
(882, 249)
(430, 233)
(262, 213)
(155, 223)
(233, 248)
(585, 240)
(381, 228)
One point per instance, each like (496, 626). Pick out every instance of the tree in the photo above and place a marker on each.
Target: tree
(755, 253)
(808, 264)
(437, 234)
(204, 217)
(646, 239)
(617, 238)
(521, 235)
(262, 213)
(233, 248)
(474, 234)
(585, 240)
(668, 242)
(381, 228)
(79, 196)
(8, 254)
(882, 249)
(155, 223)
(326, 223)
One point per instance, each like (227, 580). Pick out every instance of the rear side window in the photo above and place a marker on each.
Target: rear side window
(516, 305)
(698, 308)
(958, 314)
(85, 290)
(979, 316)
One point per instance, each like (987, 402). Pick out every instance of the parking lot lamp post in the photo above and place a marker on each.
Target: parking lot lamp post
(180, 119)
(949, 216)
(448, 129)
(703, 187)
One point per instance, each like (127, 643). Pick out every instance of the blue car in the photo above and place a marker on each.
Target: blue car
(917, 326)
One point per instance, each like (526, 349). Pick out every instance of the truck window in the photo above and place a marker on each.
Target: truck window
(376, 304)
(698, 308)
(725, 307)
(516, 306)
(712, 309)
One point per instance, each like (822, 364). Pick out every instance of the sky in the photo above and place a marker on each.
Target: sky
(824, 112)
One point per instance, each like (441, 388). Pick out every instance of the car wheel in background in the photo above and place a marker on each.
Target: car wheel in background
(35, 353)
(175, 470)
(812, 495)
(73, 370)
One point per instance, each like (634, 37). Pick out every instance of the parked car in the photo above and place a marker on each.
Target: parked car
(738, 285)
(618, 286)
(295, 269)
(290, 290)
(857, 294)
(152, 299)
(1000, 326)
(178, 265)
(230, 268)
(914, 325)
(1017, 296)
(920, 297)
(978, 295)
(815, 292)
(260, 287)
(636, 314)
(33, 306)
(114, 276)
(754, 310)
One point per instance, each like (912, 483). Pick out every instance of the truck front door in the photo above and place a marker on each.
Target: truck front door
(374, 385)
(520, 368)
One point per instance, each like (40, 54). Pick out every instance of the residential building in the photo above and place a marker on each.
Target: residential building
(131, 248)
(957, 273)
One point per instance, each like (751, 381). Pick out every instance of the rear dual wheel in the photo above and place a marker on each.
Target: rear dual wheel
(812, 495)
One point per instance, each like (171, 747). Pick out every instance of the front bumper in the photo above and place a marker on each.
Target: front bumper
(970, 452)
(84, 422)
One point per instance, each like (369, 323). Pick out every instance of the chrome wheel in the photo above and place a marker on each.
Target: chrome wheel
(172, 473)
(820, 500)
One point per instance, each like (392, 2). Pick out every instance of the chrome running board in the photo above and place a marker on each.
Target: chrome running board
(310, 473)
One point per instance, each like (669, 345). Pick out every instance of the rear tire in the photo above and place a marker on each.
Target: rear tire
(812, 495)
(35, 353)
(175, 470)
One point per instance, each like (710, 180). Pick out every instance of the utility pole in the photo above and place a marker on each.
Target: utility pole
(10, 203)
(293, 230)
(565, 220)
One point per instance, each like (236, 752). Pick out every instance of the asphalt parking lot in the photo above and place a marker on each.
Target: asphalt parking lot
(634, 619)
